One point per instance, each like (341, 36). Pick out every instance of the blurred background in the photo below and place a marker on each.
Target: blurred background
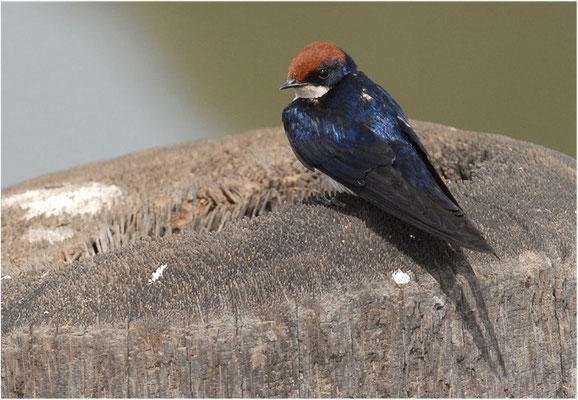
(82, 82)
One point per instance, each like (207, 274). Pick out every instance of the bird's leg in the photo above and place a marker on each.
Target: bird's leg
(328, 200)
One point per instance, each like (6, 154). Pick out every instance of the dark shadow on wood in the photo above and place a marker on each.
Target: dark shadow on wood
(443, 261)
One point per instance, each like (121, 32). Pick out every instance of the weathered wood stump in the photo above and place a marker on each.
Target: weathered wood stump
(208, 269)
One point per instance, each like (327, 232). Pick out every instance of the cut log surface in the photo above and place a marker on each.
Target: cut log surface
(211, 269)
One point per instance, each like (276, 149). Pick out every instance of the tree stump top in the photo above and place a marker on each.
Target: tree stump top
(209, 269)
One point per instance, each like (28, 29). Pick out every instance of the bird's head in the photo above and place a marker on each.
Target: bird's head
(316, 69)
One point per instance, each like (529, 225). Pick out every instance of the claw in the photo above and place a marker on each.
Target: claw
(329, 201)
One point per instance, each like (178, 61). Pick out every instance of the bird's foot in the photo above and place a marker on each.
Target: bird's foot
(329, 201)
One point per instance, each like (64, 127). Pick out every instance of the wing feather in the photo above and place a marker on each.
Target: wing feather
(393, 172)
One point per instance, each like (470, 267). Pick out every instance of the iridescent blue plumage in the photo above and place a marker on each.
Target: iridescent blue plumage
(359, 136)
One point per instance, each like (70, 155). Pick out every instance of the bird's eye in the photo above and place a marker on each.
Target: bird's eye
(323, 73)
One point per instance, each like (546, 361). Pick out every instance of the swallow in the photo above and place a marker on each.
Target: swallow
(350, 128)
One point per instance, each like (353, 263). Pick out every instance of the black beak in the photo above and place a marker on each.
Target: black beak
(291, 83)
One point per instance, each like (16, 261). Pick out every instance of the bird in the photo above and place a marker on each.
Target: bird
(352, 130)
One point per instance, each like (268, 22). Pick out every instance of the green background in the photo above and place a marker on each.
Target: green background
(506, 68)
(82, 82)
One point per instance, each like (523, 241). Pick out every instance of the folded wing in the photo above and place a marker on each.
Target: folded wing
(393, 174)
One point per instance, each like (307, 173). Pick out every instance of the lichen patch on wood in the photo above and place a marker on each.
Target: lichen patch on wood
(89, 198)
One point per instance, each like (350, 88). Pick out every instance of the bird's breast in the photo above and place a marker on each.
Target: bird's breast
(339, 187)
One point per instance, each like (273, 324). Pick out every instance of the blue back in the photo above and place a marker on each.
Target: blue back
(357, 128)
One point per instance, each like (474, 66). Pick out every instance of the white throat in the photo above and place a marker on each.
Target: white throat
(310, 91)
